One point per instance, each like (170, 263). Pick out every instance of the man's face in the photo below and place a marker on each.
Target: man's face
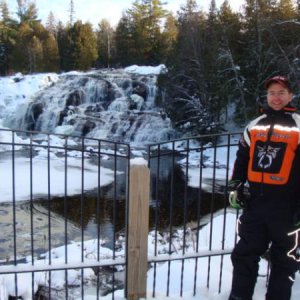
(278, 96)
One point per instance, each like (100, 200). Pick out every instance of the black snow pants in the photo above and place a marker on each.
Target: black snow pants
(264, 227)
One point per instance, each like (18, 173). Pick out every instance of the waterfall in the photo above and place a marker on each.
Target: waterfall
(106, 104)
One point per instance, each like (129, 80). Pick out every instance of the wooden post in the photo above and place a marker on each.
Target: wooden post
(138, 228)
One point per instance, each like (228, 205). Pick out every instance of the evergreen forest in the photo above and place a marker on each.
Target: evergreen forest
(215, 60)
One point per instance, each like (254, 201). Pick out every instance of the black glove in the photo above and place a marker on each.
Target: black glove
(294, 253)
(236, 198)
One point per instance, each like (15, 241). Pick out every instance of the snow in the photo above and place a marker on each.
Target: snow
(90, 254)
(41, 180)
(15, 90)
(19, 89)
(138, 161)
(146, 70)
(39, 165)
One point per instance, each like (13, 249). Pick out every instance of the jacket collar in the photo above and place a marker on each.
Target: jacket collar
(268, 110)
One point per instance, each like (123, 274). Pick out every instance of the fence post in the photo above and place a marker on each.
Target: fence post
(138, 228)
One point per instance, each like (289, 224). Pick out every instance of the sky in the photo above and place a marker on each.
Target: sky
(95, 10)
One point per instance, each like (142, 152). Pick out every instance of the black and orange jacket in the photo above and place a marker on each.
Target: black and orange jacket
(268, 156)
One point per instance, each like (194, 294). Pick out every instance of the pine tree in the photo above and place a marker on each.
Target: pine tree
(51, 25)
(285, 33)
(156, 13)
(35, 55)
(258, 55)
(28, 52)
(64, 49)
(284, 24)
(27, 11)
(35, 49)
(211, 52)
(270, 39)
(231, 87)
(5, 16)
(8, 32)
(105, 44)
(21, 51)
(126, 50)
(146, 17)
(51, 57)
(286, 10)
(81, 46)
(231, 28)
(169, 37)
(187, 97)
(190, 46)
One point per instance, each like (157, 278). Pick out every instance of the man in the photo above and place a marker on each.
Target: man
(268, 158)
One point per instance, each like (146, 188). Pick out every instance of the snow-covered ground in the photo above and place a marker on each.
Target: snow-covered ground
(14, 91)
(202, 292)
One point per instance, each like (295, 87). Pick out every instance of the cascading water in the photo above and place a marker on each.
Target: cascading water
(112, 105)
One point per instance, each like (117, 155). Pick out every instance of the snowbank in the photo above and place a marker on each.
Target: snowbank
(146, 70)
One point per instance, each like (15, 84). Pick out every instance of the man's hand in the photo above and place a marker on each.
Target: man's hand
(237, 198)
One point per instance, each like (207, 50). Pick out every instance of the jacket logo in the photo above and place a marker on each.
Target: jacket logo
(266, 156)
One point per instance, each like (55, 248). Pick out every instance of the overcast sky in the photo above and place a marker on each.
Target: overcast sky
(95, 10)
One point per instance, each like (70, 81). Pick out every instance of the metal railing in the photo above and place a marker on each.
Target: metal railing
(64, 205)
(189, 190)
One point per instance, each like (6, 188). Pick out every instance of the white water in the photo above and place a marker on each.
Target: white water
(115, 105)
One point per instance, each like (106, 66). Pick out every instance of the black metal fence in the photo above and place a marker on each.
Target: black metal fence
(63, 210)
(189, 196)
(63, 213)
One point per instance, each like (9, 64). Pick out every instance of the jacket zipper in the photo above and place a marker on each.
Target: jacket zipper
(270, 132)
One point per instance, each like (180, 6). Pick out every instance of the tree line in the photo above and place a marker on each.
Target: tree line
(214, 58)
